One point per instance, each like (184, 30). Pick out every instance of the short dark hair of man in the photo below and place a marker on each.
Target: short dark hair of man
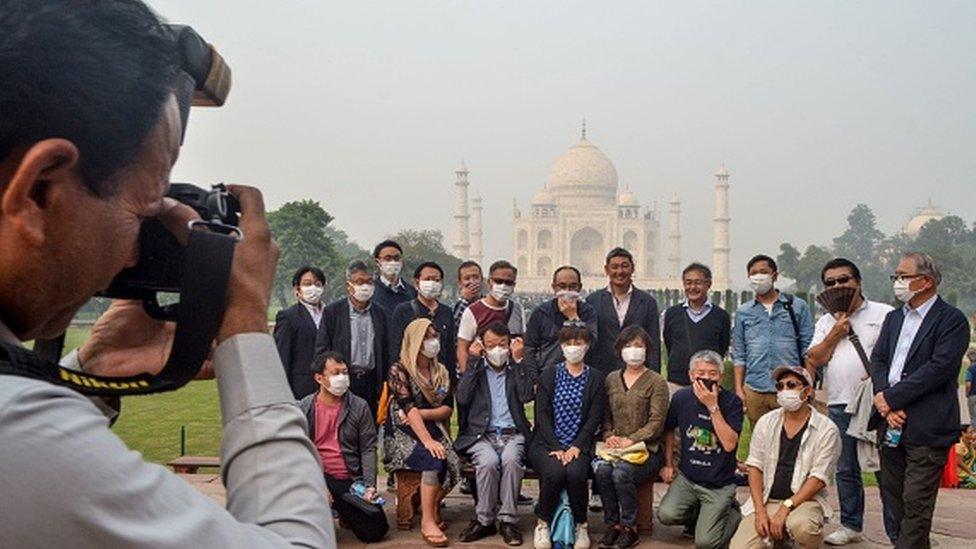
(575, 330)
(501, 264)
(386, 244)
(427, 265)
(840, 263)
(466, 264)
(499, 328)
(629, 334)
(761, 257)
(318, 365)
(316, 272)
(620, 252)
(95, 73)
(700, 267)
(579, 277)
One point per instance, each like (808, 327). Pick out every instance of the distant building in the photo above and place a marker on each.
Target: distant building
(922, 216)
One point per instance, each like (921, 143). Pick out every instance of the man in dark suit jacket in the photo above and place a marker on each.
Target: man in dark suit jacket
(915, 368)
(295, 329)
(358, 328)
(619, 305)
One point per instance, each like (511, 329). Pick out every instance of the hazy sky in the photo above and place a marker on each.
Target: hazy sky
(367, 107)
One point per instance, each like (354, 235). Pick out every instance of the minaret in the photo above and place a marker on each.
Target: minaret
(720, 247)
(674, 236)
(477, 251)
(461, 244)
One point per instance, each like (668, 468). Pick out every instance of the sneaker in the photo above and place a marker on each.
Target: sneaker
(475, 531)
(466, 487)
(524, 500)
(609, 539)
(628, 538)
(843, 536)
(510, 534)
(582, 537)
(541, 539)
(596, 504)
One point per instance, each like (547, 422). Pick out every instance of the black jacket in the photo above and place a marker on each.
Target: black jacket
(473, 393)
(927, 390)
(357, 435)
(541, 344)
(389, 298)
(641, 312)
(294, 335)
(594, 404)
(335, 334)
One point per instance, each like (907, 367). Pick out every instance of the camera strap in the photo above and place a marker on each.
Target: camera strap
(203, 299)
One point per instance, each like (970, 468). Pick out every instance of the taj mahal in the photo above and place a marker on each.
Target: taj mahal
(580, 214)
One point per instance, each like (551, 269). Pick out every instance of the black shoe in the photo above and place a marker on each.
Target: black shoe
(476, 531)
(466, 487)
(391, 483)
(628, 538)
(609, 539)
(510, 533)
(524, 500)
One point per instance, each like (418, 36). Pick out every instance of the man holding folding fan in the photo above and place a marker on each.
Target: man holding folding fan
(851, 321)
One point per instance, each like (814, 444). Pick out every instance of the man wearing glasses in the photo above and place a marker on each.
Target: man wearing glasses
(497, 306)
(696, 324)
(831, 347)
(915, 370)
(390, 288)
(541, 342)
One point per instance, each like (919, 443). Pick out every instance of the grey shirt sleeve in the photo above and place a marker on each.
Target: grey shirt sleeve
(80, 486)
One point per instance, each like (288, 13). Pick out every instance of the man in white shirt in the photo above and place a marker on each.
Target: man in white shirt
(845, 370)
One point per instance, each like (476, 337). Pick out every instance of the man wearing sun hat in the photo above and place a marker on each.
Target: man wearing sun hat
(792, 457)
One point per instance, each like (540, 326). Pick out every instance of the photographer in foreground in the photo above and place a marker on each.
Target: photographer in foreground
(89, 130)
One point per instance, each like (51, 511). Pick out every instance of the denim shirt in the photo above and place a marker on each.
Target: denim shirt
(762, 341)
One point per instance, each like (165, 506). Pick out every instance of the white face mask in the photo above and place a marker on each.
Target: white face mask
(567, 295)
(311, 294)
(431, 347)
(789, 400)
(497, 356)
(502, 292)
(761, 283)
(902, 292)
(633, 355)
(430, 289)
(391, 269)
(338, 384)
(363, 292)
(574, 353)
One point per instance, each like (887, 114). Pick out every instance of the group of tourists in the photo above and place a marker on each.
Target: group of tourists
(390, 357)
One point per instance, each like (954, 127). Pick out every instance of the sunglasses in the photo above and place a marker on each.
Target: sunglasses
(789, 384)
(831, 282)
(504, 281)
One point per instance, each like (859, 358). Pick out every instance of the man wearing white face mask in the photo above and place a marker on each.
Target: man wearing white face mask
(343, 430)
(792, 456)
(391, 290)
(357, 327)
(497, 306)
(494, 389)
(295, 329)
(428, 279)
(774, 329)
(541, 337)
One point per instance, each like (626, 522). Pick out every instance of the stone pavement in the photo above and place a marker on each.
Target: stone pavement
(954, 526)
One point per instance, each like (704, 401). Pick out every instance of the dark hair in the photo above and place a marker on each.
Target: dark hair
(502, 264)
(839, 263)
(386, 244)
(316, 272)
(318, 365)
(427, 265)
(579, 277)
(629, 334)
(464, 265)
(575, 330)
(757, 258)
(619, 252)
(498, 328)
(704, 270)
(96, 73)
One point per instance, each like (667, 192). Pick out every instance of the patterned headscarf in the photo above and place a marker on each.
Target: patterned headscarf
(436, 389)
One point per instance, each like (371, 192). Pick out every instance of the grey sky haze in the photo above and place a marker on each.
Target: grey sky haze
(368, 106)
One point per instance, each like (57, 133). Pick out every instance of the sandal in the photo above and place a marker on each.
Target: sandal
(435, 542)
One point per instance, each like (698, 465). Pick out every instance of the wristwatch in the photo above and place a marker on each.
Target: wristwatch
(713, 409)
(788, 503)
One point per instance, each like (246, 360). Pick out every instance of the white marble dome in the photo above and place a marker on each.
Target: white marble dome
(627, 198)
(583, 167)
(542, 197)
(915, 224)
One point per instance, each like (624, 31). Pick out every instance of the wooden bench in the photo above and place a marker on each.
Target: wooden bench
(190, 464)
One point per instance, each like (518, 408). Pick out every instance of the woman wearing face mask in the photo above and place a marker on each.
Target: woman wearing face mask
(418, 436)
(637, 406)
(568, 410)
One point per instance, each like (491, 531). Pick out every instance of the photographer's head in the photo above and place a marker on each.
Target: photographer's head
(89, 130)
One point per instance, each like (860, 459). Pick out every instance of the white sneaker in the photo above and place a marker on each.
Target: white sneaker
(582, 537)
(542, 538)
(595, 504)
(843, 536)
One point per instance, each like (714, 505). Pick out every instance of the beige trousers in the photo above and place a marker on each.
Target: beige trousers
(804, 526)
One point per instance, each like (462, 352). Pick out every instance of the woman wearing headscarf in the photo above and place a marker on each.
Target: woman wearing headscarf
(421, 400)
